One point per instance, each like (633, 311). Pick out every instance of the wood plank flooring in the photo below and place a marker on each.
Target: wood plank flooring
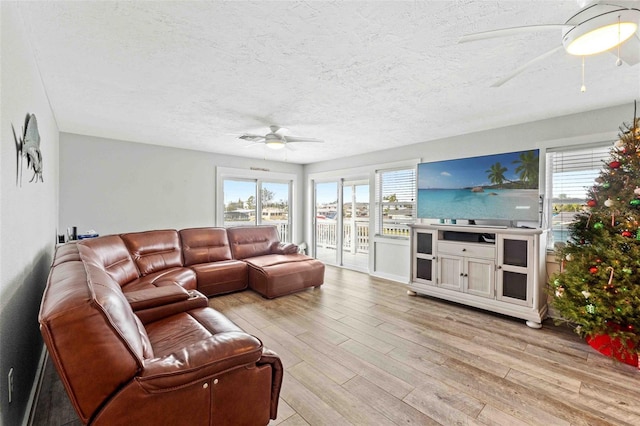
(360, 351)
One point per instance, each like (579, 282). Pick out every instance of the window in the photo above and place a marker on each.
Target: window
(395, 201)
(239, 202)
(255, 199)
(570, 173)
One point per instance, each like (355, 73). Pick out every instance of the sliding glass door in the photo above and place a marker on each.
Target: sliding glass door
(342, 223)
(326, 222)
(355, 224)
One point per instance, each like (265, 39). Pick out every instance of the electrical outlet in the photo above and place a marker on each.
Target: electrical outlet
(10, 383)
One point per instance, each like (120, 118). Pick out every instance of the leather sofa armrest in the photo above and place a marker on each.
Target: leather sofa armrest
(271, 358)
(156, 303)
(215, 355)
(195, 300)
(283, 248)
(158, 296)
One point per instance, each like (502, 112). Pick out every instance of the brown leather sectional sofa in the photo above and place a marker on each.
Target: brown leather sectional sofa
(129, 330)
(211, 260)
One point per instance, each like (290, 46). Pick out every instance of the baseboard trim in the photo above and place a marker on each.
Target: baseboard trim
(390, 277)
(30, 412)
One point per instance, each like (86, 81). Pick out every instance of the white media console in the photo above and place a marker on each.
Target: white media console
(499, 269)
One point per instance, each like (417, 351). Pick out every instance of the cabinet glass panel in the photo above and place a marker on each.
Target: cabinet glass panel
(425, 243)
(515, 252)
(514, 285)
(424, 269)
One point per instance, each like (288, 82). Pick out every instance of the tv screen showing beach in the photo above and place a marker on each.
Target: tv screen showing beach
(498, 187)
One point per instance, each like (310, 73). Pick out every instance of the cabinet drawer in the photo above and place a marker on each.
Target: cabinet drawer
(467, 249)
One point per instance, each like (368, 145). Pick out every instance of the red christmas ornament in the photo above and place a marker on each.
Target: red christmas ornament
(592, 203)
(593, 270)
(615, 164)
(626, 234)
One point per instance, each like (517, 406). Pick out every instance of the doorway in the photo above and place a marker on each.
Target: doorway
(342, 221)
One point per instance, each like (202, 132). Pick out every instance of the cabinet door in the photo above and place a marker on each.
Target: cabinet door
(479, 277)
(424, 249)
(515, 269)
(451, 272)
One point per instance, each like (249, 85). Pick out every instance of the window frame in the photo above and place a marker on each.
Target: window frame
(259, 177)
(380, 204)
(604, 146)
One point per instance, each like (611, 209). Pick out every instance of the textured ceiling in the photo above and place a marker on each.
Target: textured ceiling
(363, 76)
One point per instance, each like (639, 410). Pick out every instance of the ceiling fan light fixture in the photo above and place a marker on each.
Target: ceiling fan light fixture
(275, 144)
(599, 34)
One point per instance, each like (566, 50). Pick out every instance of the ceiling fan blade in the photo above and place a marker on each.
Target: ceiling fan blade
(290, 139)
(629, 50)
(278, 130)
(251, 138)
(505, 32)
(525, 66)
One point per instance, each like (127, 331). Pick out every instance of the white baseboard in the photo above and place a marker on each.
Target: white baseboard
(390, 277)
(30, 412)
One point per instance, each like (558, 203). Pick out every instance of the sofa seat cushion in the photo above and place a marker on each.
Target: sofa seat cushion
(275, 275)
(184, 277)
(199, 338)
(221, 277)
(276, 259)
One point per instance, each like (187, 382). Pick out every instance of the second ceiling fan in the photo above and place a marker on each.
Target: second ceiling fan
(599, 26)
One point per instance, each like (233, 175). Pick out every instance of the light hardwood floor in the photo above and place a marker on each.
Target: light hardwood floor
(360, 351)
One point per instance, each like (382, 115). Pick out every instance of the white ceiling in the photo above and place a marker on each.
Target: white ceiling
(363, 76)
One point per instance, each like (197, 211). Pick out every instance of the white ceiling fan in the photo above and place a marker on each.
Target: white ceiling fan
(276, 138)
(597, 27)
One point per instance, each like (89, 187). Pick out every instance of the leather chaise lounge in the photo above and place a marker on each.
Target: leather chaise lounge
(129, 330)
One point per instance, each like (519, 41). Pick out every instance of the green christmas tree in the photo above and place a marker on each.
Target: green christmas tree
(598, 287)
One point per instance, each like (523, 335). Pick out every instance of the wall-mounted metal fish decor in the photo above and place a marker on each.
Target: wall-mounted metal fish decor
(29, 147)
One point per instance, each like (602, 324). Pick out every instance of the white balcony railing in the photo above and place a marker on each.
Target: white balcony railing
(327, 232)
(353, 241)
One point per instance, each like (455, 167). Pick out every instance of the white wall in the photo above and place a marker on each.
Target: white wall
(113, 186)
(28, 215)
(592, 126)
(589, 127)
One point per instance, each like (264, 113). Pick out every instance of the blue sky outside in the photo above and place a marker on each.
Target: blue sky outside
(464, 172)
(238, 189)
(327, 192)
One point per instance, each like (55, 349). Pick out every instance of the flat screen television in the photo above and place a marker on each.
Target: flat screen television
(490, 187)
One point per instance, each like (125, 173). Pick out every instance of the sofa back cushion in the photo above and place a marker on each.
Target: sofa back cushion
(96, 342)
(204, 245)
(111, 253)
(252, 241)
(154, 251)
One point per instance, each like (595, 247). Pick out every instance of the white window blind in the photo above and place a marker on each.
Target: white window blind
(570, 173)
(395, 201)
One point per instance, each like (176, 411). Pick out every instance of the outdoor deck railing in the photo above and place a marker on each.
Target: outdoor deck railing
(327, 233)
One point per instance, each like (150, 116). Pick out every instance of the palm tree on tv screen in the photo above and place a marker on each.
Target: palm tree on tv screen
(527, 169)
(496, 173)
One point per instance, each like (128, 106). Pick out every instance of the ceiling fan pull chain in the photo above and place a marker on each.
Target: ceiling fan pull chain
(583, 88)
(619, 61)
